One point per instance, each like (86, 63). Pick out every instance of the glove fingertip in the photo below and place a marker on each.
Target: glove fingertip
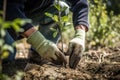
(69, 51)
(63, 58)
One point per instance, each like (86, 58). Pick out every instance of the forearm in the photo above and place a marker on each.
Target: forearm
(81, 27)
(29, 32)
(80, 11)
(15, 10)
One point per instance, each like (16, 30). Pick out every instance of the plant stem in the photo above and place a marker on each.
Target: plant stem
(60, 23)
(4, 9)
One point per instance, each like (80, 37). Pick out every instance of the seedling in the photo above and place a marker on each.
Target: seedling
(62, 21)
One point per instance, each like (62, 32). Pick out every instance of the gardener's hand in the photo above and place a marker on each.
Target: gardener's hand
(76, 48)
(46, 48)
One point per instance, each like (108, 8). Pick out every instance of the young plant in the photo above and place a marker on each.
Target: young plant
(61, 20)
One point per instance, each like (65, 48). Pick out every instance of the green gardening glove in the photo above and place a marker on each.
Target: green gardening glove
(76, 48)
(46, 48)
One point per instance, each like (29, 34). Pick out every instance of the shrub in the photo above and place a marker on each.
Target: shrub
(104, 28)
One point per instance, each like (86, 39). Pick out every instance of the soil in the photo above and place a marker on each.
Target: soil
(102, 64)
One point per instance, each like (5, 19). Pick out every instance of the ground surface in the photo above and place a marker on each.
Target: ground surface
(95, 65)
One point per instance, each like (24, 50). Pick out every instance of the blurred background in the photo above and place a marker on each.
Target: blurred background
(104, 23)
(104, 18)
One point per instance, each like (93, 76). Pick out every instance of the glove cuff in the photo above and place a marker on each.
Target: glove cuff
(36, 39)
(80, 34)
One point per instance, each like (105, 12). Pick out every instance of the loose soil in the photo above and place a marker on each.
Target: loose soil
(102, 64)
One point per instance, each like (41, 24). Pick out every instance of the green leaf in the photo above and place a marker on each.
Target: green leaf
(55, 34)
(55, 18)
(16, 27)
(4, 55)
(2, 32)
(22, 21)
(53, 29)
(65, 19)
(1, 42)
(49, 14)
(67, 24)
(57, 6)
(7, 47)
(19, 75)
(6, 25)
(65, 28)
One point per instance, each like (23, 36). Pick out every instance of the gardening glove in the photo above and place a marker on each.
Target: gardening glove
(76, 48)
(46, 48)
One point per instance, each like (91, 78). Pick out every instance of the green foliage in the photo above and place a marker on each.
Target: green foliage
(18, 76)
(4, 47)
(62, 21)
(113, 5)
(104, 23)
(104, 28)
